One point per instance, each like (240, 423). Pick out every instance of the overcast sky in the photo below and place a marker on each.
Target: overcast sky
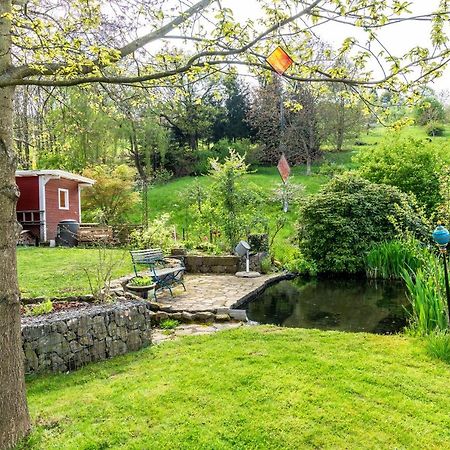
(398, 38)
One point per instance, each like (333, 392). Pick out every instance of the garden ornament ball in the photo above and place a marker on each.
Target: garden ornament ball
(441, 236)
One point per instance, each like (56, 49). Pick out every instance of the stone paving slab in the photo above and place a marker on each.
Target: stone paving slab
(215, 293)
(159, 336)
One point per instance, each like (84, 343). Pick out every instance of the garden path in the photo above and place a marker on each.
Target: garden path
(214, 293)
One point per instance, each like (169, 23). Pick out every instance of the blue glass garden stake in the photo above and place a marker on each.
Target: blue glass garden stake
(442, 237)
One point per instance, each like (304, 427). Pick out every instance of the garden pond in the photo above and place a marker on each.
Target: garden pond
(357, 305)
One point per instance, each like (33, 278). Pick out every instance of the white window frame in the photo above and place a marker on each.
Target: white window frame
(66, 195)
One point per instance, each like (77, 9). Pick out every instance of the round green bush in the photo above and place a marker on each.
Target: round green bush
(412, 165)
(348, 216)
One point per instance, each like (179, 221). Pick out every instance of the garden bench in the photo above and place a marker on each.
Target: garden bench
(163, 277)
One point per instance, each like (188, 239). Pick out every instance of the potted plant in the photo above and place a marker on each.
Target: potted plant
(141, 285)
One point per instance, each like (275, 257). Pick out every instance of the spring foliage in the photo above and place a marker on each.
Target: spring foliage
(348, 216)
(112, 197)
(412, 165)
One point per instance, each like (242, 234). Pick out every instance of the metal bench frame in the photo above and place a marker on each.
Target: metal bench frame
(164, 278)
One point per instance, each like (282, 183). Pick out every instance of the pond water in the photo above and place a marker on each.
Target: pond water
(332, 304)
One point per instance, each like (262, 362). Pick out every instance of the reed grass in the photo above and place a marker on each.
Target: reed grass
(388, 260)
(426, 292)
(438, 345)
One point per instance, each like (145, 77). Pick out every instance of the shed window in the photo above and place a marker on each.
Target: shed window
(63, 196)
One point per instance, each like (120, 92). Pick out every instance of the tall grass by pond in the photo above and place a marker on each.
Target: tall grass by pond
(388, 260)
(438, 345)
(423, 275)
(426, 292)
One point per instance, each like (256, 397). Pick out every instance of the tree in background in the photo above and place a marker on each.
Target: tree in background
(264, 117)
(231, 122)
(112, 196)
(429, 110)
(189, 109)
(302, 133)
(66, 129)
(343, 118)
(305, 129)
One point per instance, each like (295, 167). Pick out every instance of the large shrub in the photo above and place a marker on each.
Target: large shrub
(112, 198)
(158, 234)
(348, 216)
(412, 165)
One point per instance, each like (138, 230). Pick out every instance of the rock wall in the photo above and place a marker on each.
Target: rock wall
(222, 264)
(66, 340)
(211, 264)
(255, 261)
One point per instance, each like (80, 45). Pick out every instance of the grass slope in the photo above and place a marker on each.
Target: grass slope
(252, 388)
(57, 272)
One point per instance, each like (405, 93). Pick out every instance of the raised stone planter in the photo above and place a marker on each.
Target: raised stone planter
(64, 341)
(211, 264)
(221, 264)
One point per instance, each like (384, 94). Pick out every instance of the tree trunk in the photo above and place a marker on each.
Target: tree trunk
(308, 164)
(14, 418)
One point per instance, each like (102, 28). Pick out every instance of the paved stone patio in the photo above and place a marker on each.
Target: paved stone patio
(214, 293)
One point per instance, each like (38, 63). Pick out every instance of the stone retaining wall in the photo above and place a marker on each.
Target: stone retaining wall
(66, 340)
(211, 264)
(222, 264)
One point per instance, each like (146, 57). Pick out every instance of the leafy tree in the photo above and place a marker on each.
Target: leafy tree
(231, 122)
(190, 110)
(429, 110)
(348, 216)
(305, 128)
(412, 165)
(112, 197)
(54, 43)
(343, 118)
(230, 205)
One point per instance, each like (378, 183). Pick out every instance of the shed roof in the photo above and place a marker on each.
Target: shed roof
(55, 174)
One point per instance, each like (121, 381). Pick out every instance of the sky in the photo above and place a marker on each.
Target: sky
(398, 38)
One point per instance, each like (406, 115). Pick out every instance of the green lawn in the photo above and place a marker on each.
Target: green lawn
(57, 272)
(252, 388)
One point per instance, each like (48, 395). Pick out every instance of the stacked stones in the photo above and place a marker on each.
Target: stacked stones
(211, 264)
(66, 340)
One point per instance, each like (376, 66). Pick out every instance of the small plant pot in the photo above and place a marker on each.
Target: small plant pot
(142, 291)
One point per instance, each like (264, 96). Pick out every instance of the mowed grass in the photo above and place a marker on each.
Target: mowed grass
(251, 388)
(61, 272)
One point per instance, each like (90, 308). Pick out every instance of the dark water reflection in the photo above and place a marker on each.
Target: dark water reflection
(332, 304)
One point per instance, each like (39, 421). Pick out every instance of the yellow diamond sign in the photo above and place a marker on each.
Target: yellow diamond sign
(279, 60)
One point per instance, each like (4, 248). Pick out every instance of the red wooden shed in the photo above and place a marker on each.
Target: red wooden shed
(46, 198)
